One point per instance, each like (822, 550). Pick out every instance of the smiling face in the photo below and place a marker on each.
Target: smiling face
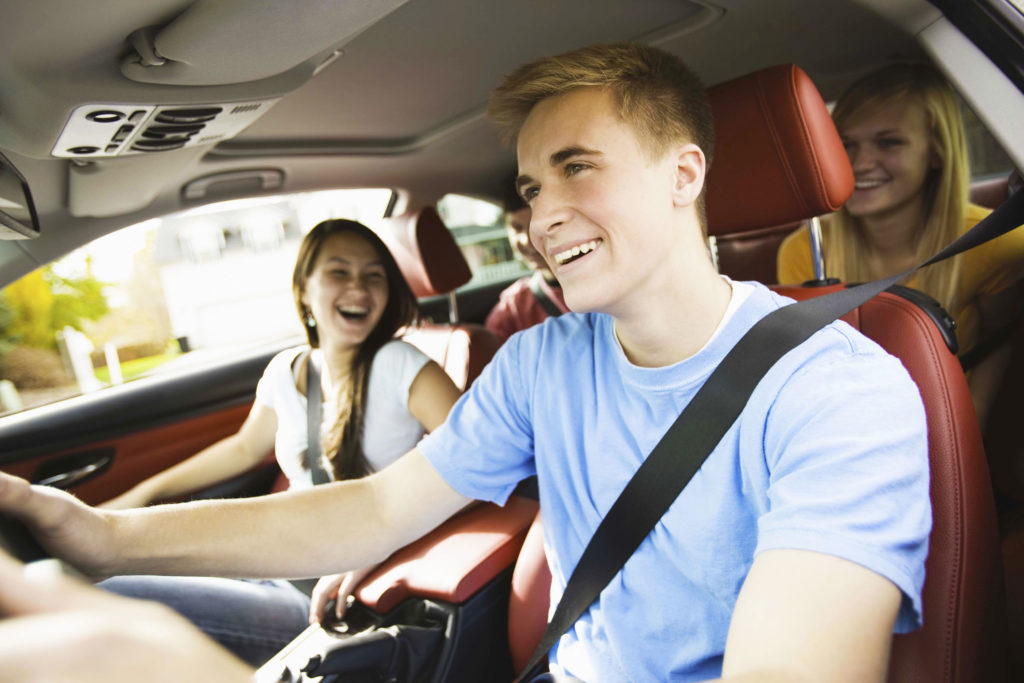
(346, 291)
(517, 227)
(891, 153)
(606, 218)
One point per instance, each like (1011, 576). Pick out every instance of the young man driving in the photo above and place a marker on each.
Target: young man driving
(793, 553)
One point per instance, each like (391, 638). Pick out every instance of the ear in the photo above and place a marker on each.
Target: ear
(689, 168)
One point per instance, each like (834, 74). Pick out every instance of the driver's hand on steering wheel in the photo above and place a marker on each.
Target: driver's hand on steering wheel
(65, 526)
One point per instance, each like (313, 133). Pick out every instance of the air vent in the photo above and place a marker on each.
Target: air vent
(245, 108)
(107, 130)
(188, 116)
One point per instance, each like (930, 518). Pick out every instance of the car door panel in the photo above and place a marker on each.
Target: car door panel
(99, 445)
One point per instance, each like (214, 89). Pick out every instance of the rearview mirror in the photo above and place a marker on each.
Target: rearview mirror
(18, 218)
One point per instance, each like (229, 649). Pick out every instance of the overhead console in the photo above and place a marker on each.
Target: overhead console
(166, 94)
(106, 130)
(269, 47)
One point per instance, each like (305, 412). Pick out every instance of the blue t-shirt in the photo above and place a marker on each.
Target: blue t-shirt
(829, 455)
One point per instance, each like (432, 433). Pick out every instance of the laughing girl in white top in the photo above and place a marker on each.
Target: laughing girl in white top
(382, 393)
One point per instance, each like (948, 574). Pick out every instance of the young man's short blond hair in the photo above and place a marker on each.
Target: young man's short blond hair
(657, 95)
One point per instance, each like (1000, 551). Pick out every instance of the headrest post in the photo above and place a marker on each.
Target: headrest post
(453, 308)
(817, 250)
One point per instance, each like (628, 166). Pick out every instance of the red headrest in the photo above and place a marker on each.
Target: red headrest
(778, 157)
(431, 261)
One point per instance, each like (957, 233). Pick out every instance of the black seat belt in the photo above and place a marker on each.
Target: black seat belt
(706, 419)
(542, 297)
(314, 408)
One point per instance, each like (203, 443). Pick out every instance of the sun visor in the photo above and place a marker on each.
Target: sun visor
(112, 187)
(220, 42)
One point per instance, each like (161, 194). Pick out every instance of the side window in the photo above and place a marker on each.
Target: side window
(479, 230)
(987, 157)
(163, 294)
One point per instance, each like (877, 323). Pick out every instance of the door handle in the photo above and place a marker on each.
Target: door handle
(80, 470)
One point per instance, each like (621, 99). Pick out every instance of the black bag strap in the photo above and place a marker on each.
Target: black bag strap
(542, 297)
(708, 416)
(314, 407)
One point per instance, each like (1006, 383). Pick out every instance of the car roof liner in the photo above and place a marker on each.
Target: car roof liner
(211, 42)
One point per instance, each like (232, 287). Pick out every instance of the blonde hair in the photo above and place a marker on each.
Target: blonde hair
(946, 187)
(655, 93)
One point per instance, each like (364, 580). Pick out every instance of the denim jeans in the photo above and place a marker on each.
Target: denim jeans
(252, 619)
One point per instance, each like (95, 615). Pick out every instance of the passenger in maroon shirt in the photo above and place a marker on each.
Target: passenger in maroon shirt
(530, 299)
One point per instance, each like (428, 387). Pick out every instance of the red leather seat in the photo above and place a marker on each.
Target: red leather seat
(779, 160)
(432, 264)
(751, 255)
(529, 598)
(963, 637)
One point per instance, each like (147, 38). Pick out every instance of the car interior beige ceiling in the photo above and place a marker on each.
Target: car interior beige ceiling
(349, 94)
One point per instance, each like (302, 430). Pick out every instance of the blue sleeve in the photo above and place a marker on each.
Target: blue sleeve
(485, 447)
(846, 448)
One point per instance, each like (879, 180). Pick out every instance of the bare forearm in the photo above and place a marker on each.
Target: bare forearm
(223, 460)
(324, 530)
(283, 535)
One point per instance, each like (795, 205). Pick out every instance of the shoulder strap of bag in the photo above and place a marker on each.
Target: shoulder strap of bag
(542, 297)
(705, 420)
(314, 406)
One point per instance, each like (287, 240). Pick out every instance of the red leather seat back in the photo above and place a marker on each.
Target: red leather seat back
(751, 255)
(431, 261)
(530, 597)
(778, 158)
(432, 264)
(778, 161)
(461, 349)
(963, 636)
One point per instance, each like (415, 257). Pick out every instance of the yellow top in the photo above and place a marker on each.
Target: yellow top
(987, 269)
